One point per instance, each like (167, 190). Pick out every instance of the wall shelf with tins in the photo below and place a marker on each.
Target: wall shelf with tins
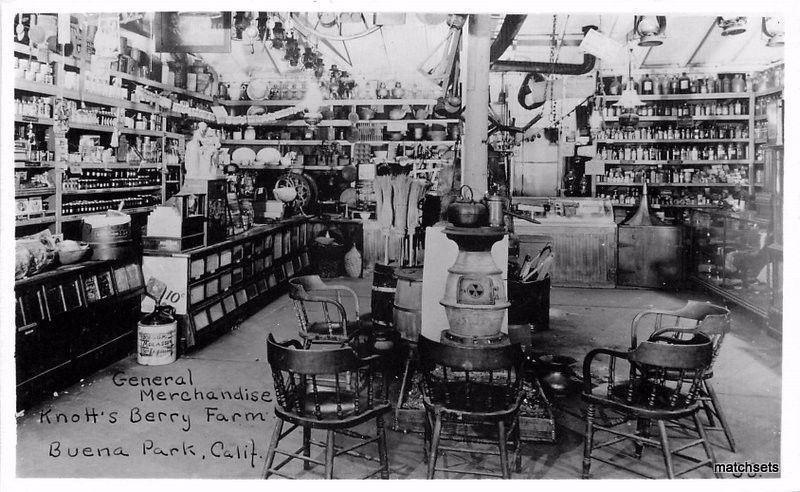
(45, 123)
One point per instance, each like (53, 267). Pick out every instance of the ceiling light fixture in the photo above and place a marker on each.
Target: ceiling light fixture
(629, 100)
(731, 26)
(650, 29)
(772, 27)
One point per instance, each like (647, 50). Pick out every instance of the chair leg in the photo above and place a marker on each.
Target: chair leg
(642, 429)
(273, 445)
(382, 451)
(433, 453)
(701, 432)
(306, 446)
(403, 383)
(587, 442)
(426, 438)
(662, 431)
(501, 441)
(720, 415)
(517, 450)
(329, 456)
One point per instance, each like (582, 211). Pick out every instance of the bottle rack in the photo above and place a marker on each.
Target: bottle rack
(711, 134)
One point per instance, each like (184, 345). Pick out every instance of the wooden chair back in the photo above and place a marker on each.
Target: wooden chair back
(296, 371)
(308, 290)
(470, 377)
(667, 372)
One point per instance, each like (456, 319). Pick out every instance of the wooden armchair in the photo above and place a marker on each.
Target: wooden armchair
(329, 323)
(304, 403)
(715, 322)
(664, 380)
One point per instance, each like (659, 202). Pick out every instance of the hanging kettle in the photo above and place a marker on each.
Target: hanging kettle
(466, 212)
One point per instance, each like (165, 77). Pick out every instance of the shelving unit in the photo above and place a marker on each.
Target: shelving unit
(745, 143)
(57, 196)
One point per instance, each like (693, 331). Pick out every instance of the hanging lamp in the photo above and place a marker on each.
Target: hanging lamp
(731, 26)
(772, 27)
(650, 29)
(629, 100)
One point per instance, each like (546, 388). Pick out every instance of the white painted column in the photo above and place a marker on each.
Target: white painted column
(474, 154)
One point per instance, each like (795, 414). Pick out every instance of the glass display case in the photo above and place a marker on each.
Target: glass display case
(730, 257)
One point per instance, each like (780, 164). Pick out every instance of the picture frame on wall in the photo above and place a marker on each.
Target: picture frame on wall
(192, 32)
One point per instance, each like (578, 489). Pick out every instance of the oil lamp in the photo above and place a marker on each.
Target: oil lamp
(650, 29)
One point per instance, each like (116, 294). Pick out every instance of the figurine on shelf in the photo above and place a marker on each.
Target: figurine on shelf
(202, 153)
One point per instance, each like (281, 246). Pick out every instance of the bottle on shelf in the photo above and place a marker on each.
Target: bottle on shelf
(647, 85)
(684, 84)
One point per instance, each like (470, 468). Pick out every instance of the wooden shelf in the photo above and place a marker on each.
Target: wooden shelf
(146, 133)
(91, 127)
(101, 191)
(730, 117)
(114, 165)
(36, 120)
(34, 165)
(657, 207)
(676, 162)
(28, 86)
(282, 142)
(672, 140)
(161, 86)
(36, 220)
(335, 102)
(137, 210)
(33, 192)
(412, 142)
(769, 92)
(687, 97)
(676, 185)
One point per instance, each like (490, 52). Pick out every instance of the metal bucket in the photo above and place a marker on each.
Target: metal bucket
(384, 285)
(407, 305)
(111, 241)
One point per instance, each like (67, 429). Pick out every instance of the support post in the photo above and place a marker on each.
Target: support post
(474, 171)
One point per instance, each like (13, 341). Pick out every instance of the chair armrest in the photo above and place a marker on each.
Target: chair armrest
(587, 364)
(335, 287)
(328, 300)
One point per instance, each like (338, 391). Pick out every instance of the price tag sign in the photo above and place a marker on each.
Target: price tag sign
(75, 169)
(685, 122)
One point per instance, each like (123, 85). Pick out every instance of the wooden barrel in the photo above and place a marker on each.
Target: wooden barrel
(383, 291)
(407, 314)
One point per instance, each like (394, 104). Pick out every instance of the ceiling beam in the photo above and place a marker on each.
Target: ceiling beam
(753, 38)
(701, 43)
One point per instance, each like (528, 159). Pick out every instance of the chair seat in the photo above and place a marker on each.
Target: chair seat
(639, 405)
(321, 329)
(329, 418)
(483, 401)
